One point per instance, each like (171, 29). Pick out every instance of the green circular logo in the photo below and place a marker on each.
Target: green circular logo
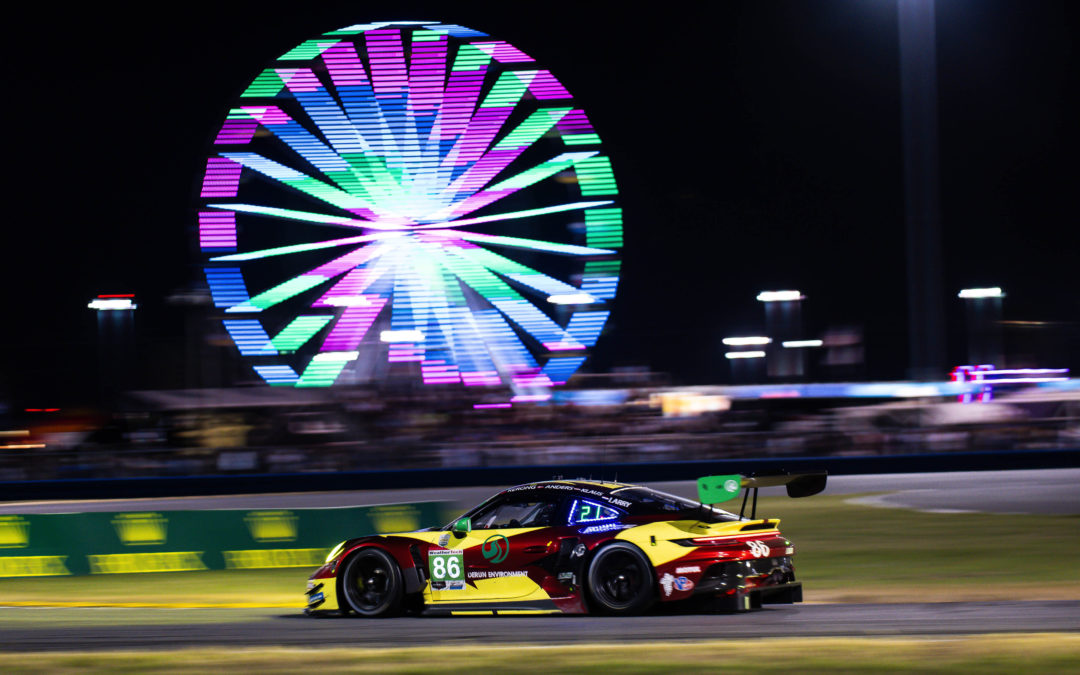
(495, 548)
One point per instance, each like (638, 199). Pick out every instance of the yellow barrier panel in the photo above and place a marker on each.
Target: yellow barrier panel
(166, 561)
(274, 557)
(33, 566)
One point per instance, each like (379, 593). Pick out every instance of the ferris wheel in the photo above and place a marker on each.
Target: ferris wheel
(410, 198)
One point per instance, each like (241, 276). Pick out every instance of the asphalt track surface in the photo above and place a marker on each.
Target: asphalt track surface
(107, 629)
(1039, 491)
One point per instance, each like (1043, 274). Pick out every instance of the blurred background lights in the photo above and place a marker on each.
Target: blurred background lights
(108, 303)
(994, 292)
(795, 344)
(401, 336)
(749, 354)
(779, 296)
(743, 341)
(571, 299)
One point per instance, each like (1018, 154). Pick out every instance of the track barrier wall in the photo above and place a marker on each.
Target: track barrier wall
(181, 541)
(176, 486)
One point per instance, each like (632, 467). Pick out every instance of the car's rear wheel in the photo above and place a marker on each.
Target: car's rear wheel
(371, 583)
(620, 580)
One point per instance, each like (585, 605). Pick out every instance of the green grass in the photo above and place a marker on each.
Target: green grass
(845, 552)
(1005, 654)
(850, 552)
(81, 617)
(213, 588)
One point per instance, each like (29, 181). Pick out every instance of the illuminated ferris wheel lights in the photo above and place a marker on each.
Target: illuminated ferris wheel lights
(571, 299)
(518, 242)
(528, 213)
(564, 346)
(406, 131)
(301, 248)
(408, 336)
(293, 214)
(347, 301)
(336, 356)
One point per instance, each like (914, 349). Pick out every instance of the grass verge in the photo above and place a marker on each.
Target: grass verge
(856, 553)
(1006, 654)
(213, 588)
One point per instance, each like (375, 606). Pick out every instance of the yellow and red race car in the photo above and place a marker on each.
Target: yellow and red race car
(573, 546)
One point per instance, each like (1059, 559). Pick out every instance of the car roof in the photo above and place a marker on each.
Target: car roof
(578, 485)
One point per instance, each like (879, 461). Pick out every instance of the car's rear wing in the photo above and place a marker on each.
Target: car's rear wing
(716, 489)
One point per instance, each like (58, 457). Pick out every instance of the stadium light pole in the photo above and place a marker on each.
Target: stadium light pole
(919, 115)
(745, 357)
(783, 320)
(116, 341)
(983, 310)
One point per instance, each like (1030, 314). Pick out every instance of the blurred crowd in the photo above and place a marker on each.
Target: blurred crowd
(358, 430)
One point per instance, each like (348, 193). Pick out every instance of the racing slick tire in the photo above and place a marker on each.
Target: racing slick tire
(620, 580)
(371, 584)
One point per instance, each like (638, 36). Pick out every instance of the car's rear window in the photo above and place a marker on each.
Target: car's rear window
(648, 502)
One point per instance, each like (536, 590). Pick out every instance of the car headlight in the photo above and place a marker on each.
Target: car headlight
(335, 552)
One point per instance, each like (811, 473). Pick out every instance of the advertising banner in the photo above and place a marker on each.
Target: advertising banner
(179, 541)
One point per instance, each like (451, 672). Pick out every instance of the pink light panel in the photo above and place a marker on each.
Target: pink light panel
(352, 325)
(235, 132)
(503, 52)
(217, 229)
(221, 178)
(403, 352)
(546, 88)
(438, 371)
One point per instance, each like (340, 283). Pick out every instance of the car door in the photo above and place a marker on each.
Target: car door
(508, 537)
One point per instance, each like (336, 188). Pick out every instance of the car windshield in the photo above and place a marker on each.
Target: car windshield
(531, 509)
(517, 513)
(648, 502)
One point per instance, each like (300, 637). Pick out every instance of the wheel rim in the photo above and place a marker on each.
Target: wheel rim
(368, 584)
(619, 580)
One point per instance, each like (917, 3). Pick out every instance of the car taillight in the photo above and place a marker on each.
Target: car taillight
(713, 542)
(759, 548)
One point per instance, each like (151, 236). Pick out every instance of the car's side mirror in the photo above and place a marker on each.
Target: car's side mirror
(462, 527)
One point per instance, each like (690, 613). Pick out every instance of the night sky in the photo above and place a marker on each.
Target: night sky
(757, 145)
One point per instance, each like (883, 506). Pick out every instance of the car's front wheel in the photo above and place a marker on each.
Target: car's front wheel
(371, 583)
(620, 580)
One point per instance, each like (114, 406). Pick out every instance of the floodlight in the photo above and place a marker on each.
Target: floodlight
(779, 296)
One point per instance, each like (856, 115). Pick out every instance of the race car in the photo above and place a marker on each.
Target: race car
(572, 546)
